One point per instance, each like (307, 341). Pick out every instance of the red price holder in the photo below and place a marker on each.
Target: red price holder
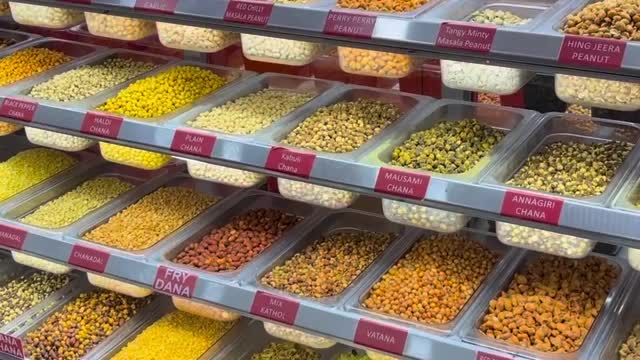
(481, 355)
(161, 6)
(349, 24)
(11, 346)
(18, 109)
(273, 307)
(402, 183)
(175, 282)
(466, 36)
(381, 336)
(12, 237)
(194, 142)
(591, 51)
(89, 258)
(101, 124)
(252, 12)
(532, 206)
(289, 161)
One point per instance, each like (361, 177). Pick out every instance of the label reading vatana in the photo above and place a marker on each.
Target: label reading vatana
(101, 124)
(11, 346)
(249, 12)
(12, 237)
(591, 51)
(481, 355)
(293, 162)
(275, 307)
(531, 206)
(175, 282)
(162, 6)
(18, 109)
(466, 36)
(189, 141)
(380, 336)
(402, 183)
(349, 24)
(89, 258)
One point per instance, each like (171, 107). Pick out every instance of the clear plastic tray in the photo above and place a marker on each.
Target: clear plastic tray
(40, 263)
(205, 310)
(44, 16)
(375, 63)
(118, 286)
(483, 78)
(633, 255)
(281, 51)
(138, 158)
(601, 93)
(224, 174)
(316, 194)
(298, 336)
(119, 27)
(58, 140)
(194, 38)
(544, 241)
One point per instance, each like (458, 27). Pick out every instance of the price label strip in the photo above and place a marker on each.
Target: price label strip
(101, 124)
(18, 109)
(292, 162)
(161, 6)
(89, 258)
(275, 307)
(342, 23)
(190, 141)
(466, 36)
(481, 355)
(402, 183)
(11, 346)
(591, 51)
(381, 336)
(252, 12)
(175, 282)
(531, 206)
(12, 237)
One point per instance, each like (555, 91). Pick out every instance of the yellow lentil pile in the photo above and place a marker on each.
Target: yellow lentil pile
(434, 280)
(29, 168)
(28, 62)
(70, 207)
(250, 113)
(151, 219)
(176, 336)
(81, 325)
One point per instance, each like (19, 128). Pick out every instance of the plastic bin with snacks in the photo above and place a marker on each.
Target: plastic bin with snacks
(194, 38)
(628, 201)
(344, 125)
(562, 147)
(262, 224)
(79, 82)
(119, 27)
(44, 16)
(260, 105)
(161, 87)
(482, 133)
(596, 285)
(289, 333)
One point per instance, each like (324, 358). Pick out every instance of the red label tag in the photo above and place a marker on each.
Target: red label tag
(189, 141)
(532, 206)
(11, 346)
(274, 307)
(466, 36)
(89, 258)
(349, 24)
(292, 162)
(248, 12)
(481, 355)
(402, 183)
(592, 51)
(101, 124)
(18, 109)
(162, 6)
(175, 282)
(12, 237)
(382, 337)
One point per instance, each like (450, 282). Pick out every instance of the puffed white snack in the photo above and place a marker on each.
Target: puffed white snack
(280, 51)
(483, 78)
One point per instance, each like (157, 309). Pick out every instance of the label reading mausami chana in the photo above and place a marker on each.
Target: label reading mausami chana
(466, 36)
(175, 282)
(402, 183)
(18, 109)
(275, 307)
(591, 51)
(531, 206)
(11, 346)
(381, 336)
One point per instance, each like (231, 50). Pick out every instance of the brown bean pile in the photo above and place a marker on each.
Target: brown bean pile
(434, 280)
(551, 306)
(236, 243)
(615, 19)
(328, 266)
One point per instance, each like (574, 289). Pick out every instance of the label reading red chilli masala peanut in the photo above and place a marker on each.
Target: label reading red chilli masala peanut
(249, 12)
(466, 36)
(402, 183)
(380, 336)
(18, 109)
(275, 307)
(11, 346)
(590, 51)
(189, 141)
(531, 206)
(293, 162)
(12, 237)
(349, 24)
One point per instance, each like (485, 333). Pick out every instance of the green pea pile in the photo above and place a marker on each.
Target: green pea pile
(78, 202)
(451, 147)
(286, 351)
(498, 17)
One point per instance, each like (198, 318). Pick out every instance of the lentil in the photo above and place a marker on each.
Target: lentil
(615, 19)
(118, 286)
(81, 325)
(44, 16)
(297, 336)
(630, 350)
(481, 77)
(175, 336)
(544, 241)
(139, 158)
(316, 194)
(27, 291)
(286, 351)
(329, 265)
(75, 204)
(204, 310)
(56, 140)
(119, 27)
(433, 281)
(280, 51)
(40, 264)
(28, 62)
(194, 38)
(151, 218)
(223, 174)
(423, 216)
(609, 94)
(234, 244)
(31, 167)
(374, 63)
(551, 305)
(7, 128)
(498, 17)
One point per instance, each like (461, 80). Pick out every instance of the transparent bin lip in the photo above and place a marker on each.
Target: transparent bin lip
(252, 85)
(20, 37)
(77, 50)
(630, 191)
(515, 121)
(233, 76)
(543, 134)
(249, 200)
(474, 336)
(340, 220)
(507, 255)
(159, 60)
(220, 192)
(409, 104)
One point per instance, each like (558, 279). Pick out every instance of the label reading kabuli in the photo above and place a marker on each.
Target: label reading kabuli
(349, 24)
(89, 258)
(248, 12)
(189, 141)
(532, 206)
(466, 36)
(291, 162)
(18, 109)
(11, 346)
(101, 124)
(402, 183)
(274, 307)
(590, 51)
(380, 336)
(481, 355)
(12, 237)
(162, 6)
(175, 282)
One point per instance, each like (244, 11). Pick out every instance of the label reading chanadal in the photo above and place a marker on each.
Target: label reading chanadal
(100, 124)
(291, 162)
(175, 282)
(380, 336)
(275, 307)
(12, 237)
(89, 258)
(349, 24)
(162, 6)
(531, 206)
(18, 109)
(402, 183)
(189, 141)
(466, 36)
(249, 12)
(11, 346)
(591, 51)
